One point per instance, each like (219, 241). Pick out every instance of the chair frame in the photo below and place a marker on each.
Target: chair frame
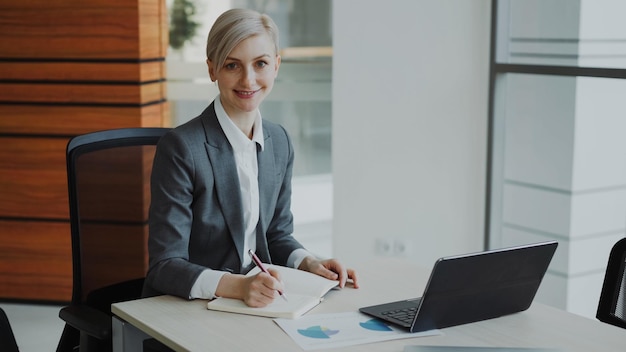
(80, 317)
(608, 296)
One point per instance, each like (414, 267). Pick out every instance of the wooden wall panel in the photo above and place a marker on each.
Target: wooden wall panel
(67, 67)
(22, 263)
(68, 120)
(96, 29)
(33, 180)
(153, 17)
(82, 71)
(85, 93)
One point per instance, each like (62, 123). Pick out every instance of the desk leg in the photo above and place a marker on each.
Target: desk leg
(126, 337)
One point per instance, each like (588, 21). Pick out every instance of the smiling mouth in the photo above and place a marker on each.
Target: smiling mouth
(246, 93)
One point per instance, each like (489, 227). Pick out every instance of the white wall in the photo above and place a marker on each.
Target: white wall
(410, 105)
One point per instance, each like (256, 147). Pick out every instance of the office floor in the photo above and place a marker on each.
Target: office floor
(37, 327)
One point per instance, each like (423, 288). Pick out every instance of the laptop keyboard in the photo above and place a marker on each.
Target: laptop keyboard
(405, 316)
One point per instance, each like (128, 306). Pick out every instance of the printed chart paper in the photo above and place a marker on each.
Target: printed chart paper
(318, 331)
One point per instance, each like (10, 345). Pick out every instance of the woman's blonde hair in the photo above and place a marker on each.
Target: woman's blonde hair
(234, 26)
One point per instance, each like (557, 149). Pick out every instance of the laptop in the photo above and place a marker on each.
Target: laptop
(472, 287)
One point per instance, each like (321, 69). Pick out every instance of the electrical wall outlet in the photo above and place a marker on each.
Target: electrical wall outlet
(392, 247)
(383, 246)
(401, 247)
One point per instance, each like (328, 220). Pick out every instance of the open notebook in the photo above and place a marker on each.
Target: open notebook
(303, 290)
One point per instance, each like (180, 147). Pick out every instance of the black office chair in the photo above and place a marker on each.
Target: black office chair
(7, 339)
(108, 175)
(612, 304)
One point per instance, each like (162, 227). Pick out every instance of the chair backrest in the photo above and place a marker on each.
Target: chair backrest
(7, 338)
(109, 195)
(612, 304)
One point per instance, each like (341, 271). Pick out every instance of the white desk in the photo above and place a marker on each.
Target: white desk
(189, 326)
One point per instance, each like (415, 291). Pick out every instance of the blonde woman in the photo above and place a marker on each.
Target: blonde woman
(221, 183)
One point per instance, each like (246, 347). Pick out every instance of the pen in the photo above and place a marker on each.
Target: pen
(258, 263)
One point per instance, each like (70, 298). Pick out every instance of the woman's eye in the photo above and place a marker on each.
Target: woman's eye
(261, 64)
(230, 66)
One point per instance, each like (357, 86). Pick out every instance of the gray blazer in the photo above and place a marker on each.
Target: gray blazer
(196, 216)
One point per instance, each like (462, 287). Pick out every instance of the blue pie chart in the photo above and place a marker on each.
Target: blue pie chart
(317, 332)
(376, 325)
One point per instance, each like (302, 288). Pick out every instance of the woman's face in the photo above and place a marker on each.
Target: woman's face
(247, 76)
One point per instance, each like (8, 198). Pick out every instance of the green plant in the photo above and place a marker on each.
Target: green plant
(182, 25)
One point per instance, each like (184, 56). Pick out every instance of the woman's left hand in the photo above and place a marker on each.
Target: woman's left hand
(331, 269)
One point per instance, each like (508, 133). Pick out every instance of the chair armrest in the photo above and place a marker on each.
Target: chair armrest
(88, 320)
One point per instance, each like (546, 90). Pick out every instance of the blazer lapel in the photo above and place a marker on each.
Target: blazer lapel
(267, 178)
(225, 177)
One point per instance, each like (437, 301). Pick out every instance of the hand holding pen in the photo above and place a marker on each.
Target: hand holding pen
(258, 263)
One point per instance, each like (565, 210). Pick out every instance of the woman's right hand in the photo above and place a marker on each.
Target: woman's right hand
(256, 291)
(261, 289)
